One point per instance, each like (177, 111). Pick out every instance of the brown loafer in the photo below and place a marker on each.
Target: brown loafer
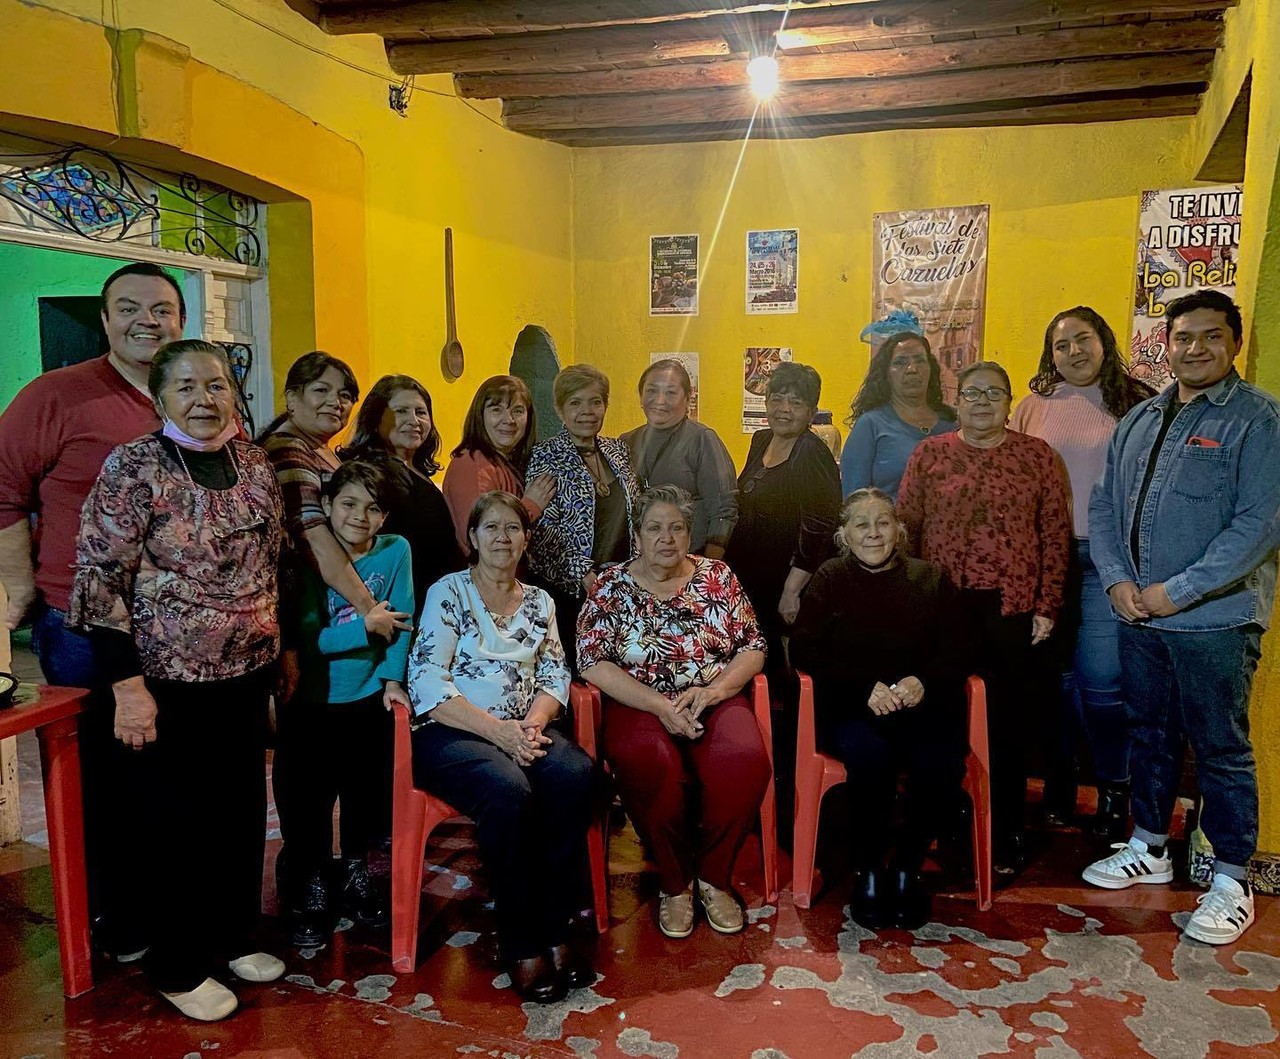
(721, 908)
(574, 968)
(535, 979)
(675, 914)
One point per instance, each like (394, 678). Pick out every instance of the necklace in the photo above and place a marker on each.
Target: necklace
(592, 462)
(914, 420)
(201, 492)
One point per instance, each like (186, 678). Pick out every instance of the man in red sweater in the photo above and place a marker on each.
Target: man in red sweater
(54, 437)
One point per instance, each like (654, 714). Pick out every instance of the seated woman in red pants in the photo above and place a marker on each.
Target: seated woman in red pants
(671, 640)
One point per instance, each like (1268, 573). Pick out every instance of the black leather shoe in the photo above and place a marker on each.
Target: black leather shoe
(313, 922)
(868, 905)
(361, 896)
(535, 979)
(912, 903)
(575, 969)
(1111, 821)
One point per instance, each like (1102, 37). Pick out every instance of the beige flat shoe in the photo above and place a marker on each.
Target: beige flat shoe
(207, 1002)
(257, 967)
(675, 914)
(721, 908)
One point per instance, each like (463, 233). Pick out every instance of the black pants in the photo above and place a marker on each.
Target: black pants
(210, 801)
(1019, 704)
(330, 753)
(928, 745)
(568, 607)
(531, 824)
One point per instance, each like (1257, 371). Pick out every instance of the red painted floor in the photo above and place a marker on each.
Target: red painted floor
(1054, 970)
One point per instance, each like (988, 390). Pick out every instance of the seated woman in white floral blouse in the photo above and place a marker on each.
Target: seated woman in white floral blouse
(487, 673)
(671, 640)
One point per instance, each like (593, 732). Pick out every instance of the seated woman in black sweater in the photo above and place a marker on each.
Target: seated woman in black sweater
(877, 633)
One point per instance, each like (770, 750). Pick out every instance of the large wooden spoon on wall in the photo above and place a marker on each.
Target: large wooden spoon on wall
(451, 358)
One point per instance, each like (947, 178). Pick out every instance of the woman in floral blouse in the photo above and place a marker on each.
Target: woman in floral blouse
(487, 673)
(671, 640)
(175, 584)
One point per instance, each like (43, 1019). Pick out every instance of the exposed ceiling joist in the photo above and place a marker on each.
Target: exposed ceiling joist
(1007, 50)
(814, 98)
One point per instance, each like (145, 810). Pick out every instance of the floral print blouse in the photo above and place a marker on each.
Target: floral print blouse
(668, 644)
(189, 571)
(500, 663)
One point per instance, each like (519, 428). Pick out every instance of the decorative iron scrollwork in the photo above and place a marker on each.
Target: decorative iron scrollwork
(241, 356)
(97, 196)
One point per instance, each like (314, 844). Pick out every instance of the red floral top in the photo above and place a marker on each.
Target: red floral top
(668, 644)
(992, 518)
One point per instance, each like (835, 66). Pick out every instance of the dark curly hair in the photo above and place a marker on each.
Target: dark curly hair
(366, 437)
(1120, 391)
(875, 391)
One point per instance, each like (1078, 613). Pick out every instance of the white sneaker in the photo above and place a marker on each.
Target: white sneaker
(1132, 864)
(207, 1002)
(1223, 914)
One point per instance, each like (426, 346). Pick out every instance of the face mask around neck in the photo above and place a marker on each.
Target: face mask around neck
(184, 440)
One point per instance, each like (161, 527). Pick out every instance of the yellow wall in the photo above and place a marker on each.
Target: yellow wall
(1064, 208)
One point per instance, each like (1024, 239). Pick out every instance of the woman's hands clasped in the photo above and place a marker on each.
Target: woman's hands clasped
(889, 698)
(522, 741)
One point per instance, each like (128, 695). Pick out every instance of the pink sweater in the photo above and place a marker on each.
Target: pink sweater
(471, 474)
(1074, 422)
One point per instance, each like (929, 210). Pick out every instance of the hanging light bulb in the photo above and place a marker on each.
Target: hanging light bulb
(762, 72)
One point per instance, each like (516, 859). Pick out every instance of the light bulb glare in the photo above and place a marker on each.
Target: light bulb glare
(762, 72)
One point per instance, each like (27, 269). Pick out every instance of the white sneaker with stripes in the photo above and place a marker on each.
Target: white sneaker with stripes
(1223, 914)
(1131, 864)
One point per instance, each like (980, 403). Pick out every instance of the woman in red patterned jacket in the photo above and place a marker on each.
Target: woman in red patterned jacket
(671, 640)
(990, 506)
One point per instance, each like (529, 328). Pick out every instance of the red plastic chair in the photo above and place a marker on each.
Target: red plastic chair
(817, 773)
(586, 703)
(414, 815)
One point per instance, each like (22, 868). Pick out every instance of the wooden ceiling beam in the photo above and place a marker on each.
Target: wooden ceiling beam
(1008, 50)
(1033, 113)
(835, 97)
(450, 18)
(706, 37)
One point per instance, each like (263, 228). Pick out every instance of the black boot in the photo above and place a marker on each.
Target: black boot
(313, 923)
(869, 905)
(361, 897)
(912, 903)
(1112, 818)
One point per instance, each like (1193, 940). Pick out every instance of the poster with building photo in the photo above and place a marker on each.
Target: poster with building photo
(673, 275)
(758, 365)
(934, 264)
(1188, 239)
(773, 271)
(690, 363)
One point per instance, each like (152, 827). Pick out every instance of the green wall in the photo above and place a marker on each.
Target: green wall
(28, 273)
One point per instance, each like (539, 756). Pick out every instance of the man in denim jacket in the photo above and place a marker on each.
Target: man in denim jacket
(1184, 526)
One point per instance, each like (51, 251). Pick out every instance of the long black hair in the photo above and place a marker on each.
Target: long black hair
(1120, 391)
(302, 373)
(876, 392)
(366, 438)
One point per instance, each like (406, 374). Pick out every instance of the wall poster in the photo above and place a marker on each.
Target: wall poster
(934, 263)
(690, 362)
(673, 275)
(773, 271)
(757, 365)
(1187, 239)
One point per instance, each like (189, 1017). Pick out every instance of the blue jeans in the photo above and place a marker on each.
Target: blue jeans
(1092, 680)
(1193, 685)
(66, 657)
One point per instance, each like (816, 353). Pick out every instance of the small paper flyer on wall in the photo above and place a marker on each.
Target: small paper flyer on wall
(690, 363)
(773, 271)
(673, 275)
(1188, 240)
(758, 365)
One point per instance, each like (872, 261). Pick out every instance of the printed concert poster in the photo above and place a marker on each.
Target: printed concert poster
(673, 275)
(690, 362)
(1187, 239)
(757, 365)
(934, 263)
(773, 271)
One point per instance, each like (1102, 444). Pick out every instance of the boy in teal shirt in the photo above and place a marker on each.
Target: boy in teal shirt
(350, 676)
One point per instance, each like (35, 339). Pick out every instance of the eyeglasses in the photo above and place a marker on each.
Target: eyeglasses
(991, 393)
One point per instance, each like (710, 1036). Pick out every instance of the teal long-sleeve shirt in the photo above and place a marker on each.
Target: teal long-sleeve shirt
(340, 662)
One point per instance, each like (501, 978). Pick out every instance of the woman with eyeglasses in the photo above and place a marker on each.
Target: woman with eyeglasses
(788, 499)
(899, 405)
(1080, 391)
(990, 506)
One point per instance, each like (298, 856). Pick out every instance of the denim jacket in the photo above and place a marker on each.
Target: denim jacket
(1211, 522)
